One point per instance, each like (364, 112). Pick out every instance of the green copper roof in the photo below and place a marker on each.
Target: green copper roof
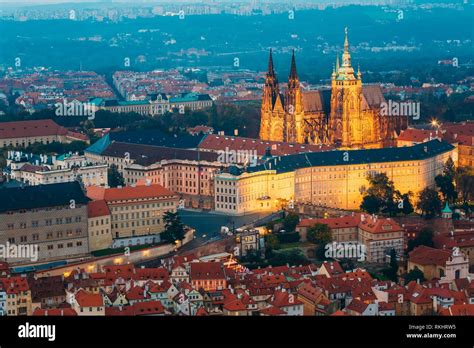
(446, 209)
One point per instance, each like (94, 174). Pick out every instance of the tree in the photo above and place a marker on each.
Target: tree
(371, 204)
(425, 237)
(320, 252)
(392, 271)
(449, 168)
(290, 222)
(272, 242)
(114, 177)
(174, 228)
(319, 234)
(381, 196)
(414, 274)
(445, 181)
(464, 179)
(288, 256)
(429, 203)
(406, 205)
(252, 256)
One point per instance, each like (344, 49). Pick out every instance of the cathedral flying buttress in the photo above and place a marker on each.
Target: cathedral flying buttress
(347, 115)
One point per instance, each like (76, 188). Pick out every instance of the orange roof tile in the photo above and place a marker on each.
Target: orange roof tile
(97, 209)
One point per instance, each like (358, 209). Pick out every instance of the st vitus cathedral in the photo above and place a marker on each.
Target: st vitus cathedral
(347, 115)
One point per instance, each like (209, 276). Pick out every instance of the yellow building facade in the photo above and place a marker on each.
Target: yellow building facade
(333, 179)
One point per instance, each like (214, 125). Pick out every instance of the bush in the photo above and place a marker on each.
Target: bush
(292, 237)
(293, 257)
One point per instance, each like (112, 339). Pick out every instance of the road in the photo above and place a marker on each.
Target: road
(208, 227)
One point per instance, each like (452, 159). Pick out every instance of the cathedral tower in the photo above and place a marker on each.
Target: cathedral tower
(272, 111)
(345, 120)
(294, 109)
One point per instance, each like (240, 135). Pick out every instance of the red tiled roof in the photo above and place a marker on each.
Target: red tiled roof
(201, 312)
(219, 142)
(272, 310)
(384, 306)
(416, 135)
(333, 268)
(284, 299)
(97, 208)
(458, 310)
(36, 128)
(346, 221)
(148, 308)
(54, 312)
(14, 285)
(128, 192)
(31, 168)
(379, 225)
(77, 135)
(364, 221)
(357, 306)
(207, 270)
(234, 305)
(137, 293)
(424, 255)
(310, 292)
(119, 311)
(151, 273)
(86, 299)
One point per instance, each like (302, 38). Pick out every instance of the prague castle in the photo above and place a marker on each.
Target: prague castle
(348, 115)
(332, 179)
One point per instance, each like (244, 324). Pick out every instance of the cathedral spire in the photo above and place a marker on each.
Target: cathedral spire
(345, 71)
(337, 63)
(346, 56)
(346, 40)
(271, 71)
(293, 73)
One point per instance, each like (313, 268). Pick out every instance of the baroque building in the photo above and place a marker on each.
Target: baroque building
(347, 115)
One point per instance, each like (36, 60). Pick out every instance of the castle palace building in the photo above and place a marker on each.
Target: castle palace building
(348, 115)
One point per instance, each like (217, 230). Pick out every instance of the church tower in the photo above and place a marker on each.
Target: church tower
(345, 120)
(272, 111)
(294, 109)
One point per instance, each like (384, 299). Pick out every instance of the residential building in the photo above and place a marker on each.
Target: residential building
(51, 219)
(18, 296)
(100, 225)
(380, 236)
(88, 304)
(25, 133)
(432, 262)
(208, 275)
(136, 210)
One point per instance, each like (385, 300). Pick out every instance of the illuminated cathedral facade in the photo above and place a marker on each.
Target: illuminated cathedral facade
(347, 115)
